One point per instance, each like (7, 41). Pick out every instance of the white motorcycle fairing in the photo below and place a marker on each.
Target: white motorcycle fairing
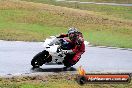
(53, 53)
(51, 45)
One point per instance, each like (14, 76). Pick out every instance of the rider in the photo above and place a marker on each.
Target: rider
(77, 42)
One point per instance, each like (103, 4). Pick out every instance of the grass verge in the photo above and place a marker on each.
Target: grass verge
(29, 21)
(53, 81)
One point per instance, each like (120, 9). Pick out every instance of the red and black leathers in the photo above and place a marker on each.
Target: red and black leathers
(78, 46)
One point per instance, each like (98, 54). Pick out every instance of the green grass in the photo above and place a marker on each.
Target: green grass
(27, 21)
(111, 1)
(53, 81)
(120, 12)
(28, 32)
(113, 12)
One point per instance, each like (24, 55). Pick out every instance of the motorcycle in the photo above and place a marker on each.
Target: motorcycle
(54, 53)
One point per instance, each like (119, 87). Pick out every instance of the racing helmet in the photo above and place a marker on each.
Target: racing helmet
(72, 33)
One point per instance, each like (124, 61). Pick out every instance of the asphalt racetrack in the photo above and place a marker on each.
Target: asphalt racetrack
(15, 58)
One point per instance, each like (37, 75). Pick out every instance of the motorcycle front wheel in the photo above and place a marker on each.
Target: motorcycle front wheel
(39, 59)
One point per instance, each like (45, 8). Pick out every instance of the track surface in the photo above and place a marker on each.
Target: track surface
(15, 58)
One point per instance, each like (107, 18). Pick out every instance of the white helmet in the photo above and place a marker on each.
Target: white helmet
(72, 30)
(72, 33)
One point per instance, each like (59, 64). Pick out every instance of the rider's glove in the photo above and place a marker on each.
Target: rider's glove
(65, 51)
(68, 51)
